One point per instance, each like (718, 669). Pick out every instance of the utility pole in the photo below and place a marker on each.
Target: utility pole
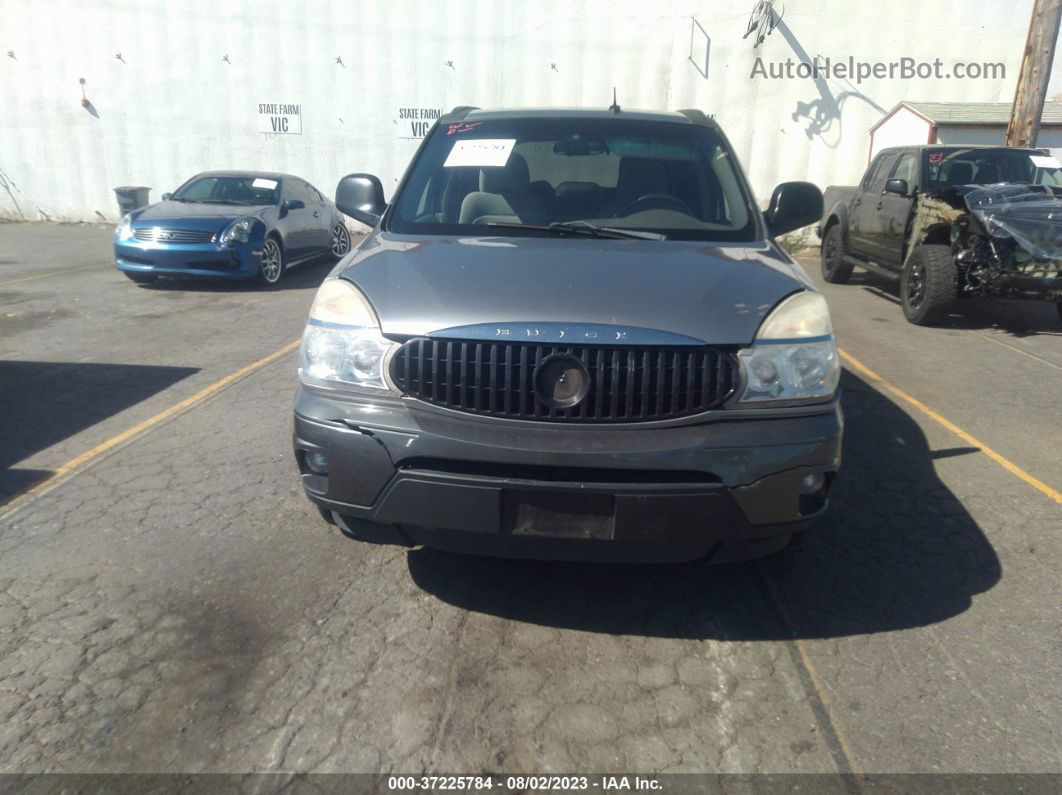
(1035, 72)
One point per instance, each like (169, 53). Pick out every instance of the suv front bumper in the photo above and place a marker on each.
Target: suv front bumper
(404, 474)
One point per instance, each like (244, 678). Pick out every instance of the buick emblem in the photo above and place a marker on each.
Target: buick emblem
(561, 381)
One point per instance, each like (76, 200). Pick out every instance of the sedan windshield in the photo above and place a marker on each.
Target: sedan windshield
(245, 189)
(571, 176)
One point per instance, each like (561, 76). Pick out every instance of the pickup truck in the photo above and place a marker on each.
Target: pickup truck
(950, 222)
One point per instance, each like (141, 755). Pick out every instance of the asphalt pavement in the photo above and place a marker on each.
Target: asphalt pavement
(169, 601)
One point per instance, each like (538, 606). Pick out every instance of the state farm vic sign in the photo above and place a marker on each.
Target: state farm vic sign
(280, 118)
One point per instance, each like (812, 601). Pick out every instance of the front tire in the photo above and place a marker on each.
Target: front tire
(928, 284)
(340, 240)
(272, 267)
(834, 269)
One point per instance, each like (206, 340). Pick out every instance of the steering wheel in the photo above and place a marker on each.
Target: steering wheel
(657, 198)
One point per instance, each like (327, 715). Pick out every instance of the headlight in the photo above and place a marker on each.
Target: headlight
(342, 345)
(124, 230)
(794, 355)
(238, 232)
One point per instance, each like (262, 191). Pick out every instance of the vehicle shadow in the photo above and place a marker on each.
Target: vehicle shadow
(1014, 316)
(307, 275)
(897, 550)
(42, 403)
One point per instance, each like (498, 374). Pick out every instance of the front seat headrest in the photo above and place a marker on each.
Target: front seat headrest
(960, 173)
(640, 176)
(513, 177)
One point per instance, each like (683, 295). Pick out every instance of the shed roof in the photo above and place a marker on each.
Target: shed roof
(977, 112)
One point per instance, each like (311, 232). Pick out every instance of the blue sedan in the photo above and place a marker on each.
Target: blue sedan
(230, 225)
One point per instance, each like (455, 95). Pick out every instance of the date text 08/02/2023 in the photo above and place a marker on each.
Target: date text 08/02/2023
(522, 783)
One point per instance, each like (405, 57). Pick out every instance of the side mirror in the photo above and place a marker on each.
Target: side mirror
(897, 186)
(793, 205)
(166, 196)
(294, 204)
(361, 197)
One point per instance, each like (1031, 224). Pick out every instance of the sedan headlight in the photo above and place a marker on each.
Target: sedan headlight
(342, 345)
(238, 232)
(124, 230)
(794, 355)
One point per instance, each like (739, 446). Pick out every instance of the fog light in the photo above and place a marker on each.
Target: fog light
(813, 483)
(317, 463)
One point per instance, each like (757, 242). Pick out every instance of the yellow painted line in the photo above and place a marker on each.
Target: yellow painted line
(51, 273)
(818, 685)
(1003, 461)
(71, 467)
(827, 705)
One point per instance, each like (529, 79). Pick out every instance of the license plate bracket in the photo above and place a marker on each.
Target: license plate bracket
(558, 514)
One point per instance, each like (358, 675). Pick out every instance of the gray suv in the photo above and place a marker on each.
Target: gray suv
(571, 335)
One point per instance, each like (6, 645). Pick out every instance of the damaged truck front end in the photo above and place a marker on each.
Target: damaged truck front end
(996, 241)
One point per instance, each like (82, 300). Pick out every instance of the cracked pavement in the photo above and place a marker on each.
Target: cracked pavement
(178, 606)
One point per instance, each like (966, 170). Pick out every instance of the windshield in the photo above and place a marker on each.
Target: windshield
(1049, 175)
(675, 179)
(983, 167)
(247, 189)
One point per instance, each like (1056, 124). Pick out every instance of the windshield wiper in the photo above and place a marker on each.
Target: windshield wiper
(604, 231)
(581, 228)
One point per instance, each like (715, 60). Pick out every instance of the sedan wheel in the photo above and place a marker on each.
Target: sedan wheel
(340, 240)
(272, 261)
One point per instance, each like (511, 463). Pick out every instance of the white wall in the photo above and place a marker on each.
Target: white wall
(903, 128)
(173, 107)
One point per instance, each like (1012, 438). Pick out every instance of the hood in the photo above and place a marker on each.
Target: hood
(1030, 214)
(703, 292)
(188, 215)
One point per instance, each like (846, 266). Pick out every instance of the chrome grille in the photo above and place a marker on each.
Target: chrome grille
(627, 384)
(156, 234)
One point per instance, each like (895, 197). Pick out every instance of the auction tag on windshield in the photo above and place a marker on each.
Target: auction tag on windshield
(1043, 161)
(483, 152)
(264, 183)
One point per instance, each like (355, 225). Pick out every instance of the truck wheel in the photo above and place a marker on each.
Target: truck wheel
(834, 269)
(928, 284)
